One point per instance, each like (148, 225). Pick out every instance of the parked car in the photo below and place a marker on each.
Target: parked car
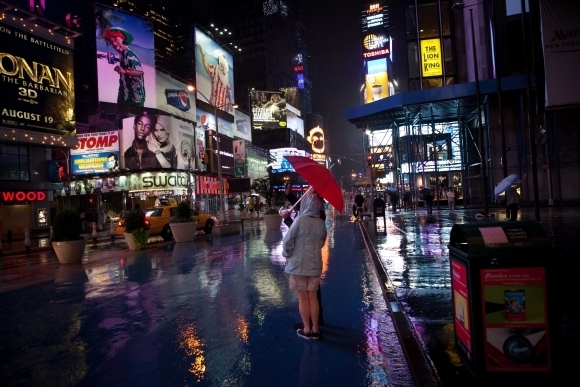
(159, 218)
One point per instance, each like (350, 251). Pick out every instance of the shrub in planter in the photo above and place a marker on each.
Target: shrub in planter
(182, 224)
(272, 211)
(135, 225)
(182, 214)
(66, 226)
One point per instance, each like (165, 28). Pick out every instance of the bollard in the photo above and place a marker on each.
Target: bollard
(51, 233)
(27, 239)
(94, 226)
(9, 235)
(112, 232)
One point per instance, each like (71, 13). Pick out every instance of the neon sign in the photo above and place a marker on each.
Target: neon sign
(23, 196)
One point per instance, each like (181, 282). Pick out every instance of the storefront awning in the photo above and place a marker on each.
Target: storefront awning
(449, 104)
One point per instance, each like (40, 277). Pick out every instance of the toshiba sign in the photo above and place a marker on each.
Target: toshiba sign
(23, 196)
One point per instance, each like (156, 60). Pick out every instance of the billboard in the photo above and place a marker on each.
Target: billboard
(376, 80)
(157, 141)
(431, 58)
(243, 127)
(316, 139)
(280, 164)
(173, 97)
(374, 17)
(206, 121)
(37, 79)
(214, 73)
(268, 109)
(125, 58)
(96, 153)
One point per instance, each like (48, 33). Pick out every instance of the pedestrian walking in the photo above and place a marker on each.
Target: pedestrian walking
(450, 199)
(406, 200)
(302, 247)
(429, 202)
(251, 207)
(394, 200)
(379, 207)
(359, 200)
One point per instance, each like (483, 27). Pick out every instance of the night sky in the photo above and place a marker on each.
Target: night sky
(334, 33)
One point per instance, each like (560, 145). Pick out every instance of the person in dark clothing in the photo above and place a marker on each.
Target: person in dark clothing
(406, 201)
(379, 206)
(429, 202)
(288, 222)
(394, 200)
(359, 200)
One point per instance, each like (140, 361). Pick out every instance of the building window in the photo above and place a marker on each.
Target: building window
(14, 162)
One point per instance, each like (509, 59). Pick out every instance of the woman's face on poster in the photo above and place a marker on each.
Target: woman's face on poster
(160, 133)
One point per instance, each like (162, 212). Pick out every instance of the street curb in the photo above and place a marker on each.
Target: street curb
(422, 368)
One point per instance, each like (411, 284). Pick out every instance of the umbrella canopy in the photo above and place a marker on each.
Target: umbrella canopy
(505, 184)
(320, 178)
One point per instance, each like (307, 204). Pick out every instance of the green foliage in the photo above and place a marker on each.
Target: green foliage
(140, 236)
(134, 220)
(66, 226)
(232, 201)
(262, 187)
(272, 211)
(182, 213)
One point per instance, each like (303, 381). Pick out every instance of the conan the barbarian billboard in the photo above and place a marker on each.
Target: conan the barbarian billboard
(36, 77)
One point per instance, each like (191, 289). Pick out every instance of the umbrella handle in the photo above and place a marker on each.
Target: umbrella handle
(295, 204)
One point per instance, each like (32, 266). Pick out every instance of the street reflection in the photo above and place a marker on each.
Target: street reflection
(190, 342)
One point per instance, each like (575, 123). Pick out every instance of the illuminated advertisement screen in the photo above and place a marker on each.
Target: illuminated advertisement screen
(375, 45)
(214, 71)
(375, 16)
(269, 109)
(376, 80)
(96, 153)
(461, 308)
(206, 121)
(157, 141)
(280, 164)
(37, 80)
(431, 58)
(125, 58)
(173, 97)
(242, 128)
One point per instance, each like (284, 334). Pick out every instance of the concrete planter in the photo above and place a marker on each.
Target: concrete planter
(131, 241)
(273, 222)
(70, 251)
(183, 232)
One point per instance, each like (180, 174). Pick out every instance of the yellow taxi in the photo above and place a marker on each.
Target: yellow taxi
(160, 216)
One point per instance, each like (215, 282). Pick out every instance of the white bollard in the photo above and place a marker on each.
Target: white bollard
(26, 239)
(94, 225)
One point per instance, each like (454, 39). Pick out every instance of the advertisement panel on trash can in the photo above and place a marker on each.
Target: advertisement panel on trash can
(515, 319)
(461, 311)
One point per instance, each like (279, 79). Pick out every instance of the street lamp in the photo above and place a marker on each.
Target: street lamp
(218, 154)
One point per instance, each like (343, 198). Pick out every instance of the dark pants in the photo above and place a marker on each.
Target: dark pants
(511, 211)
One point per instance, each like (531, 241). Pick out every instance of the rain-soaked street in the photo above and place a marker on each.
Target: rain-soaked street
(218, 311)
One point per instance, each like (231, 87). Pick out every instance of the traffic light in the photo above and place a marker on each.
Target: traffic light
(370, 160)
(204, 159)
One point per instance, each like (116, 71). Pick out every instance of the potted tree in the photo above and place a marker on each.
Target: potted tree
(67, 242)
(182, 225)
(272, 217)
(136, 230)
(232, 201)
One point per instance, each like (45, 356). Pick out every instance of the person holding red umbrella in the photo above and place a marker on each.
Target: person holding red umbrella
(302, 247)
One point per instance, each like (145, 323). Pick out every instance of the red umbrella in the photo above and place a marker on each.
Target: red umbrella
(320, 178)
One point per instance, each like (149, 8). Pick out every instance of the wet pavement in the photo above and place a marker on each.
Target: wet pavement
(218, 311)
(415, 255)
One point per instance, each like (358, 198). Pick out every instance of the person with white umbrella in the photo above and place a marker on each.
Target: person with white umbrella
(513, 200)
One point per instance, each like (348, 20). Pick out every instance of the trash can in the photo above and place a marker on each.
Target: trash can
(500, 274)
